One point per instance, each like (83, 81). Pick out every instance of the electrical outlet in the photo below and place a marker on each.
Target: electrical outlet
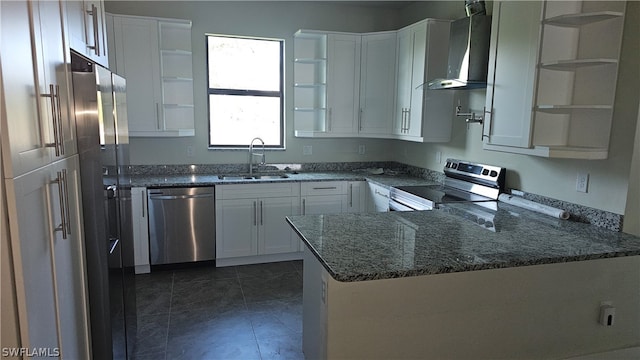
(361, 149)
(307, 150)
(190, 151)
(582, 182)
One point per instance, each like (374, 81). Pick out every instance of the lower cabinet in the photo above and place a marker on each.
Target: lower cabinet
(140, 221)
(333, 197)
(250, 220)
(378, 199)
(45, 218)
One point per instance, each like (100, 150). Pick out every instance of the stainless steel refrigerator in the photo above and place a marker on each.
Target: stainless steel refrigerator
(103, 148)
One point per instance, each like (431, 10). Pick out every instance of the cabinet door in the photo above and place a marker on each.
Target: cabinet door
(69, 259)
(378, 198)
(31, 200)
(513, 55)
(140, 220)
(86, 29)
(343, 77)
(325, 204)
(137, 59)
(25, 134)
(377, 83)
(53, 78)
(416, 90)
(355, 199)
(276, 236)
(236, 228)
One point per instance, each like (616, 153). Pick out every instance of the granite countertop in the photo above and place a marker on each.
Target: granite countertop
(209, 180)
(357, 247)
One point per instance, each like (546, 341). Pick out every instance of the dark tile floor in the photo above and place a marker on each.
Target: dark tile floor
(242, 312)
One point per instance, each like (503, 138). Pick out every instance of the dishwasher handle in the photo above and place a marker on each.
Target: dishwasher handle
(157, 196)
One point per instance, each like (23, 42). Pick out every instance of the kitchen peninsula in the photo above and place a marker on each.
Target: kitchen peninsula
(436, 285)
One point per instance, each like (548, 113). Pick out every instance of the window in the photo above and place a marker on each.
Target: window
(245, 91)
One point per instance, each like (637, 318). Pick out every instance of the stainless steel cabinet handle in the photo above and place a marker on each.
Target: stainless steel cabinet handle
(54, 118)
(350, 195)
(330, 119)
(360, 119)
(158, 116)
(304, 206)
(255, 213)
(63, 224)
(325, 188)
(60, 128)
(144, 205)
(66, 200)
(261, 214)
(408, 114)
(96, 38)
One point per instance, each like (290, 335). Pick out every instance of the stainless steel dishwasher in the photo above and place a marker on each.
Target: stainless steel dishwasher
(181, 225)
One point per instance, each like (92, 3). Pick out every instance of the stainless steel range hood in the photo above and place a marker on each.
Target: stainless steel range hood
(468, 54)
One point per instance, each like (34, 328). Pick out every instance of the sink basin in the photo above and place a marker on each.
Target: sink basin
(255, 177)
(271, 177)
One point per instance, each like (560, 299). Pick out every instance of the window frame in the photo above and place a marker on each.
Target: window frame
(247, 92)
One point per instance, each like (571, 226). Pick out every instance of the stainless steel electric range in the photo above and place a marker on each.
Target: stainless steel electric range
(464, 182)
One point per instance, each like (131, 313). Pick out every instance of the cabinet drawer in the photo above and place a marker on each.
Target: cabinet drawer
(323, 188)
(248, 191)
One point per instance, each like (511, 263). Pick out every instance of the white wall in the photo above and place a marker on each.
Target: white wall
(609, 179)
(267, 19)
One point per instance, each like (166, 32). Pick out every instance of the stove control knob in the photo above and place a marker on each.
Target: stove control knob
(454, 165)
(485, 172)
(493, 173)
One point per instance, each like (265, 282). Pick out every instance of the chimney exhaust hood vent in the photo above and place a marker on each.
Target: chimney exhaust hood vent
(468, 62)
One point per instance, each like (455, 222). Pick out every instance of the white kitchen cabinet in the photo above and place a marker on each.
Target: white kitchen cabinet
(154, 55)
(377, 84)
(332, 197)
(343, 76)
(348, 84)
(422, 115)
(39, 126)
(140, 221)
(355, 200)
(250, 220)
(378, 199)
(87, 30)
(45, 221)
(552, 78)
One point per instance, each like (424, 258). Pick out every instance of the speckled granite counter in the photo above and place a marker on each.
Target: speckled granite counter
(208, 180)
(356, 247)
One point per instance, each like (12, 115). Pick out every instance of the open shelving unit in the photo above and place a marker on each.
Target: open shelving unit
(177, 77)
(310, 82)
(576, 78)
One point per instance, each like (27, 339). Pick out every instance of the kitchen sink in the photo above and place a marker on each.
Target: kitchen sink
(253, 177)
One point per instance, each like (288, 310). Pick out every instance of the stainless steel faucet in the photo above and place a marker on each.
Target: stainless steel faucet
(252, 154)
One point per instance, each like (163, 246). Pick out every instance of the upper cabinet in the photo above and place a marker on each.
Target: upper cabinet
(552, 77)
(377, 84)
(37, 118)
(371, 85)
(422, 115)
(154, 55)
(87, 30)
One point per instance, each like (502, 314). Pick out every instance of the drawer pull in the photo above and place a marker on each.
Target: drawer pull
(325, 188)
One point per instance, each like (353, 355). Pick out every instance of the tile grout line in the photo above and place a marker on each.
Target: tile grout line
(244, 298)
(166, 339)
